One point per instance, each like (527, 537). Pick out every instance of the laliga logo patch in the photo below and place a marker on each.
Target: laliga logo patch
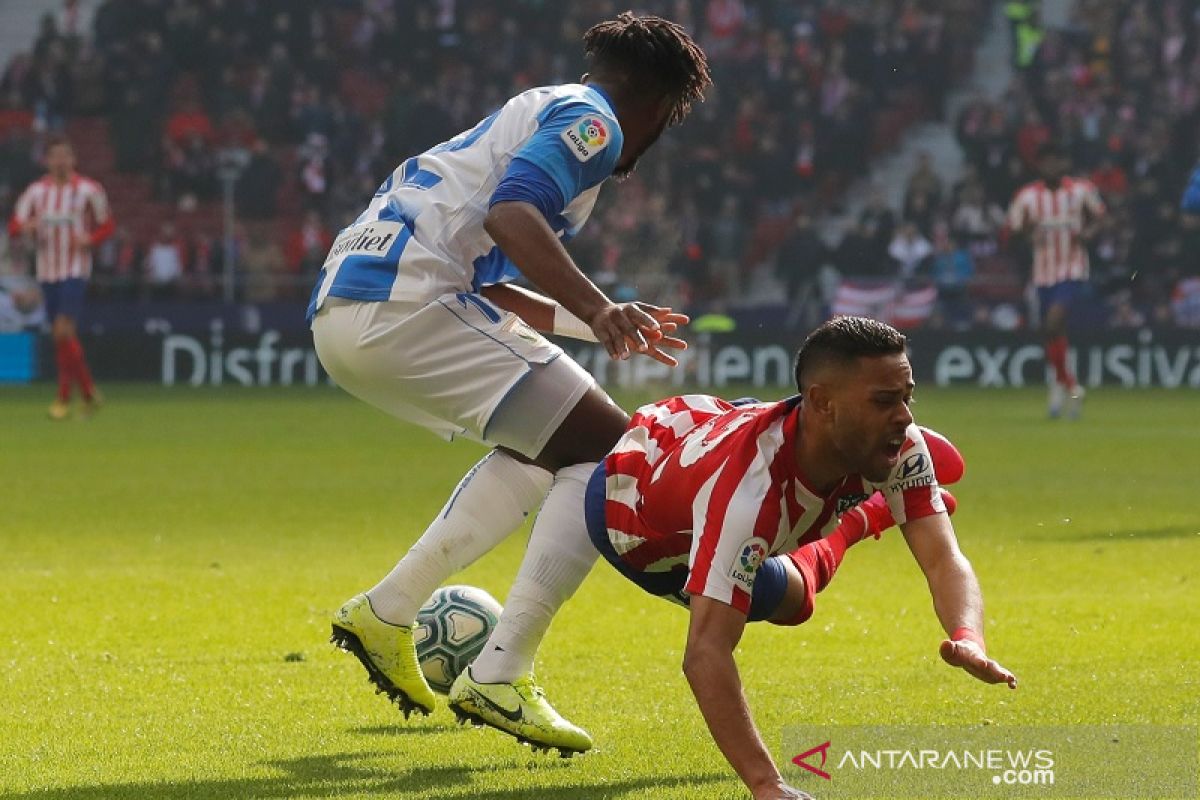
(586, 136)
(752, 555)
(592, 131)
(750, 558)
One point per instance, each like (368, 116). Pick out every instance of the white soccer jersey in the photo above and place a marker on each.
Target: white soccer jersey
(422, 235)
(1056, 216)
(60, 214)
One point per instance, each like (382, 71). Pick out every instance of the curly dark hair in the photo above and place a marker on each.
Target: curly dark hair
(654, 55)
(843, 340)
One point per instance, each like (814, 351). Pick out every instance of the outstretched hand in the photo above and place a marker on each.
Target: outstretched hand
(971, 658)
(781, 791)
(640, 327)
(668, 321)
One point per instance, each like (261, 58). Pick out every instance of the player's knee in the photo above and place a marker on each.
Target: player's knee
(770, 588)
(62, 327)
(799, 600)
(798, 618)
(781, 595)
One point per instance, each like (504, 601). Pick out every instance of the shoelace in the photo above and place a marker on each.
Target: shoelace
(528, 689)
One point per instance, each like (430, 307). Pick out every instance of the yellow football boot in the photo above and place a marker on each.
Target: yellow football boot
(519, 709)
(59, 411)
(386, 651)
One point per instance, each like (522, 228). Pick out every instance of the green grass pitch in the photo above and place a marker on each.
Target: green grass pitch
(168, 569)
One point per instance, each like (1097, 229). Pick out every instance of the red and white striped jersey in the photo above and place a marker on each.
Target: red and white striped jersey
(61, 214)
(1056, 217)
(699, 484)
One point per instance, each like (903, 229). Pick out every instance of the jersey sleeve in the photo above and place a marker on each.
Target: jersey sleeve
(22, 212)
(103, 224)
(735, 517)
(575, 147)
(1017, 211)
(1092, 200)
(98, 202)
(912, 490)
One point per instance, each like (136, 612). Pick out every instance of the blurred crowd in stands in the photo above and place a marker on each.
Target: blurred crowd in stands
(1120, 88)
(311, 103)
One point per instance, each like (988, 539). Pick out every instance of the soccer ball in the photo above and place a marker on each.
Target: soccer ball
(451, 630)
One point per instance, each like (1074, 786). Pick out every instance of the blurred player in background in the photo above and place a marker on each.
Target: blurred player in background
(1060, 214)
(412, 314)
(65, 215)
(743, 512)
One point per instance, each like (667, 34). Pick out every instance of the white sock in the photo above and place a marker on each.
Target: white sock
(1058, 394)
(490, 502)
(558, 558)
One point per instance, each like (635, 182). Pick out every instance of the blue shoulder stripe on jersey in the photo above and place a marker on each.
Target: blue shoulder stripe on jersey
(548, 147)
(370, 278)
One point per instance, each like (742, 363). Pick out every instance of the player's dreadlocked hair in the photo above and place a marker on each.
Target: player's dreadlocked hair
(655, 53)
(842, 340)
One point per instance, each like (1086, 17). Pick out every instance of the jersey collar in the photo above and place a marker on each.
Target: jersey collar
(604, 96)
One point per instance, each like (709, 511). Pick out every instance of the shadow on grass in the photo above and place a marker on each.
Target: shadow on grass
(400, 729)
(1165, 532)
(324, 775)
(338, 774)
(587, 791)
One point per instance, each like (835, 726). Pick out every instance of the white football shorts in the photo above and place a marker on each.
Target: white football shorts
(449, 364)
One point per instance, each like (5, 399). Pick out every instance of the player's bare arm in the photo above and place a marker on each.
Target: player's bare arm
(713, 633)
(957, 600)
(543, 314)
(521, 232)
(23, 226)
(1093, 215)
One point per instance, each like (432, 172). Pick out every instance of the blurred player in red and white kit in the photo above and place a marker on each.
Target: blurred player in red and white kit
(65, 215)
(1060, 214)
(743, 512)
